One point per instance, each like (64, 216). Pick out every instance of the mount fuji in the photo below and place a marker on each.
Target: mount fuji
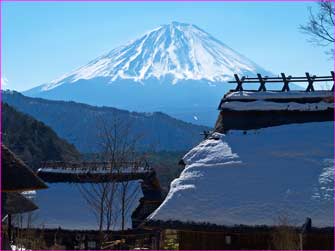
(177, 68)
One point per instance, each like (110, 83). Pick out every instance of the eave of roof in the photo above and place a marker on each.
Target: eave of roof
(16, 175)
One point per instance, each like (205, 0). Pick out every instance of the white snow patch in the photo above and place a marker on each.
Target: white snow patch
(325, 189)
(267, 105)
(277, 95)
(92, 171)
(18, 247)
(29, 194)
(4, 82)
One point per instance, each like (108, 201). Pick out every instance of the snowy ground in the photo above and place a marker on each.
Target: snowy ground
(257, 177)
(63, 205)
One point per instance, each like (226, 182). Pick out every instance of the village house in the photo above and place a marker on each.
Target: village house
(17, 178)
(263, 179)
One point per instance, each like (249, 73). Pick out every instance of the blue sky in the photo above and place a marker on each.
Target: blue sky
(43, 40)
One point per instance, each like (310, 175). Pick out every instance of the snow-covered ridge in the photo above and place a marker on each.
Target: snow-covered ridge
(61, 170)
(276, 101)
(274, 106)
(177, 51)
(247, 95)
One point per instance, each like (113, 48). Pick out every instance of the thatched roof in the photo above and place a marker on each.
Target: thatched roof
(15, 203)
(255, 178)
(248, 110)
(16, 176)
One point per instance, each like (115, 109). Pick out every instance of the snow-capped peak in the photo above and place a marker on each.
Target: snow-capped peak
(177, 50)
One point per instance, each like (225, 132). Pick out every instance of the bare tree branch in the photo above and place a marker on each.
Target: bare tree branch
(320, 27)
(119, 152)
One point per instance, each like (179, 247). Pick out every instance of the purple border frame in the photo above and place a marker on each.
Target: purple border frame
(163, 0)
(137, 1)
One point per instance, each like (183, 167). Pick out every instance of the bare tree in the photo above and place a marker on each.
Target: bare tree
(320, 27)
(118, 153)
(96, 196)
(121, 148)
(127, 198)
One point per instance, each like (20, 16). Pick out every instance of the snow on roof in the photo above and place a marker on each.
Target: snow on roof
(275, 106)
(255, 178)
(274, 101)
(93, 171)
(238, 95)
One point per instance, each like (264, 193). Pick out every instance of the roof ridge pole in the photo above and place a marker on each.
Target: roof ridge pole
(286, 81)
(239, 82)
(262, 82)
(332, 73)
(310, 80)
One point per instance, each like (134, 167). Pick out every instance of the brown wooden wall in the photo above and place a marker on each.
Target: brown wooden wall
(254, 240)
(217, 240)
(316, 241)
(247, 120)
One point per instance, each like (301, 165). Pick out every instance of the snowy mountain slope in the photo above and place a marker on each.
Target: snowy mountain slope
(181, 50)
(176, 54)
(288, 172)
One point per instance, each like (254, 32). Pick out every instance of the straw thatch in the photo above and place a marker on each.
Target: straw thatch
(15, 203)
(16, 176)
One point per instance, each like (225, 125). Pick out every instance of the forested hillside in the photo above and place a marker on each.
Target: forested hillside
(81, 124)
(32, 140)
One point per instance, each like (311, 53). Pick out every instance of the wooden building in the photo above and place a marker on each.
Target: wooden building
(252, 183)
(239, 107)
(151, 200)
(16, 177)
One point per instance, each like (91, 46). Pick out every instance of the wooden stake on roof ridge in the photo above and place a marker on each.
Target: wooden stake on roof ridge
(262, 82)
(282, 79)
(239, 81)
(310, 80)
(332, 73)
(286, 81)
